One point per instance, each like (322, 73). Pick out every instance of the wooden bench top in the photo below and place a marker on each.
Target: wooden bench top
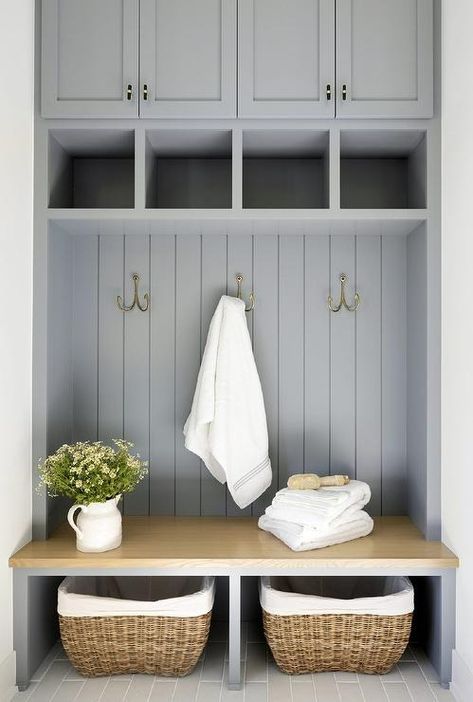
(173, 542)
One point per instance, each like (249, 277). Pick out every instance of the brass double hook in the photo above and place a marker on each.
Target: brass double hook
(239, 280)
(343, 302)
(136, 300)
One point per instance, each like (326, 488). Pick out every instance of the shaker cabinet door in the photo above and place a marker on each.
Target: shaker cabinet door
(188, 58)
(384, 58)
(89, 58)
(286, 58)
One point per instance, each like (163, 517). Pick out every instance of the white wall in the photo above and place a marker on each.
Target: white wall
(16, 158)
(457, 382)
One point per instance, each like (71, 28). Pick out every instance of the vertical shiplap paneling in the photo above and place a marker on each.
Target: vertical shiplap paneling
(342, 376)
(136, 376)
(85, 337)
(188, 296)
(240, 260)
(110, 347)
(214, 283)
(291, 355)
(162, 356)
(317, 356)
(60, 425)
(368, 367)
(266, 322)
(394, 380)
(329, 380)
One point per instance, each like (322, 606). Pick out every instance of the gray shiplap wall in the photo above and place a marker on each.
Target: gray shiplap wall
(334, 384)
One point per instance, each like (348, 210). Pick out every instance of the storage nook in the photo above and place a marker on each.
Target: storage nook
(91, 168)
(207, 187)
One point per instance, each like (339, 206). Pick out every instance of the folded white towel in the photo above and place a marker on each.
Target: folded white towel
(305, 538)
(227, 424)
(320, 508)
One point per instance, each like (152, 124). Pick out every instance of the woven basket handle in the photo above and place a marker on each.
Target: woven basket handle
(70, 519)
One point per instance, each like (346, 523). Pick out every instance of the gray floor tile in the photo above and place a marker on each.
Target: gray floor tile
(140, 688)
(214, 659)
(115, 690)
(417, 684)
(256, 668)
(350, 692)
(92, 690)
(302, 691)
(441, 694)
(408, 655)
(45, 665)
(68, 691)
(426, 666)
(326, 687)
(26, 694)
(53, 677)
(256, 692)
(279, 684)
(397, 692)
(344, 676)
(209, 692)
(162, 692)
(393, 676)
(372, 688)
(186, 688)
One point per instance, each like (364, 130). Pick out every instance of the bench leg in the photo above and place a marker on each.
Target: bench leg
(447, 639)
(234, 634)
(20, 628)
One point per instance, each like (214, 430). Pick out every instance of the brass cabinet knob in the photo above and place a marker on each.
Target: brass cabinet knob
(328, 91)
(344, 91)
(145, 91)
(129, 91)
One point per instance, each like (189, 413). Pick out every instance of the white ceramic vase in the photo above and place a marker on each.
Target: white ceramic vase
(99, 525)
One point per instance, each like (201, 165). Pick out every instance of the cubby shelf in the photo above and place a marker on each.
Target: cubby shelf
(383, 169)
(189, 169)
(91, 168)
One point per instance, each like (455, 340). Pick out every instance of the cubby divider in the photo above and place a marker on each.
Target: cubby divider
(91, 168)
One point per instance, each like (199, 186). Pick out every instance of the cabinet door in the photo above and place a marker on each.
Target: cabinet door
(286, 58)
(89, 58)
(384, 58)
(188, 58)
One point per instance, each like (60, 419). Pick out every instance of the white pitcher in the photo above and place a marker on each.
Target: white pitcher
(99, 526)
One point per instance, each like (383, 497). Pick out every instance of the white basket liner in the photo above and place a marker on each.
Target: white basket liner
(384, 596)
(132, 596)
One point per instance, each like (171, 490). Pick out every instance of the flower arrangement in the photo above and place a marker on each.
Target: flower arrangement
(92, 472)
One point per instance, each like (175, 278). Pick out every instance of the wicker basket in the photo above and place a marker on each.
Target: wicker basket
(114, 625)
(309, 629)
(113, 645)
(359, 643)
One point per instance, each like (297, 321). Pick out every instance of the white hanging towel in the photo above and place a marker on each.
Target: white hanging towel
(227, 425)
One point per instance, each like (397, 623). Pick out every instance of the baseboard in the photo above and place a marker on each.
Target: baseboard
(7, 678)
(462, 679)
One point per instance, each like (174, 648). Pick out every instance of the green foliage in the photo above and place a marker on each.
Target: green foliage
(91, 472)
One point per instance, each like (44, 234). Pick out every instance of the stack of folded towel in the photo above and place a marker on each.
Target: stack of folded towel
(308, 519)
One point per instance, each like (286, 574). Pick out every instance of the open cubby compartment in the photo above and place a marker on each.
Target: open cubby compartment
(383, 169)
(91, 168)
(285, 168)
(189, 168)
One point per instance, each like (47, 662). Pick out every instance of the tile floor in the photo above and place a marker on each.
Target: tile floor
(412, 680)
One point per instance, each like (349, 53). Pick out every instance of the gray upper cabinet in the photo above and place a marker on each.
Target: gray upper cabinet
(286, 58)
(89, 58)
(384, 58)
(188, 58)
